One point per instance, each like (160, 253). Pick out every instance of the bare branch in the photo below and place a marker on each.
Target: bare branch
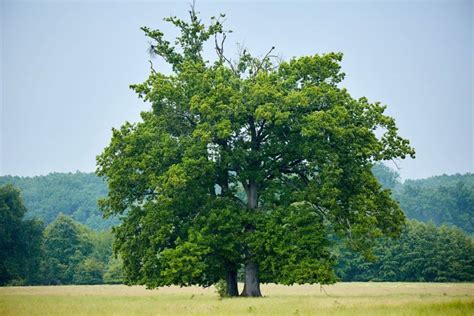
(269, 52)
(151, 67)
(395, 163)
(220, 51)
(266, 57)
(193, 7)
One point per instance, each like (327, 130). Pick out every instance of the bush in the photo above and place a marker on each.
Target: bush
(89, 271)
(221, 288)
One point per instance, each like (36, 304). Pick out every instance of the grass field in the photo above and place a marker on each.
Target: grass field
(340, 299)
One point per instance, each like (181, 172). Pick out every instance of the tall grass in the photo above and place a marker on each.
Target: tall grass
(350, 299)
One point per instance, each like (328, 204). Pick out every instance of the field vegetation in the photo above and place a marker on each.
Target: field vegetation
(339, 299)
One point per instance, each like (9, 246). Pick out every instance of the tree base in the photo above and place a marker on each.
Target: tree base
(252, 284)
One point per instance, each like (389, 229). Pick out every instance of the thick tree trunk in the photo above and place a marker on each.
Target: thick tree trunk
(231, 280)
(252, 283)
(252, 197)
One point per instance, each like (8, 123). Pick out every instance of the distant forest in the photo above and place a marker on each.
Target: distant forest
(61, 237)
(72, 194)
(445, 199)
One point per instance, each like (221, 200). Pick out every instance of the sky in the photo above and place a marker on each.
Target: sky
(66, 67)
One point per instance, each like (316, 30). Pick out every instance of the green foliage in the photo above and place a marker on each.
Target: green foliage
(424, 253)
(298, 144)
(102, 244)
(114, 273)
(443, 181)
(289, 244)
(66, 245)
(442, 200)
(73, 194)
(221, 288)
(20, 240)
(292, 247)
(66, 252)
(388, 177)
(89, 271)
(73, 254)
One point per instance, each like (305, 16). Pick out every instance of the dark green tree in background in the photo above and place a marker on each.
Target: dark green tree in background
(66, 245)
(74, 254)
(284, 133)
(20, 240)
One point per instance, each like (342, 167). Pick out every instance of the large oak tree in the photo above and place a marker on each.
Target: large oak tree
(252, 162)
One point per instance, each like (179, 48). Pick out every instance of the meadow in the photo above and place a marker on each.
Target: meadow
(339, 299)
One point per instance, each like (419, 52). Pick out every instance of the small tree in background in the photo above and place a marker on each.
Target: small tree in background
(66, 245)
(285, 133)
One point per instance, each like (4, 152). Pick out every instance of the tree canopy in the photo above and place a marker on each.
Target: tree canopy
(283, 132)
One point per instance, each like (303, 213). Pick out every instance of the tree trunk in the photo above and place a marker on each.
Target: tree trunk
(231, 280)
(252, 283)
(252, 197)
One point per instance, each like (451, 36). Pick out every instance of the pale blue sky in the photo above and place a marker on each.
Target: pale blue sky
(66, 67)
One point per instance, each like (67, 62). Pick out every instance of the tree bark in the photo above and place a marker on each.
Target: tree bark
(252, 197)
(252, 283)
(231, 280)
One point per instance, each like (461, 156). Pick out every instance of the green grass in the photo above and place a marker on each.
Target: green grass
(350, 299)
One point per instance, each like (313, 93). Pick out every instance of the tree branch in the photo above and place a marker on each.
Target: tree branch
(220, 52)
(151, 67)
(267, 55)
(260, 129)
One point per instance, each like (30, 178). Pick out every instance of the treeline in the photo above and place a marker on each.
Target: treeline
(64, 252)
(73, 194)
(38, 246)
(67, 252)
(423, 253)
